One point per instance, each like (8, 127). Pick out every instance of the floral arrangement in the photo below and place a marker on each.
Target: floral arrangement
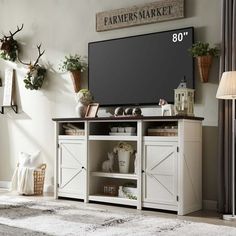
(72, 63)
(123, 146)
(84, 96)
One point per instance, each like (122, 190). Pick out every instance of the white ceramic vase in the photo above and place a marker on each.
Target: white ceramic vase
(80, 110)
(124, 160)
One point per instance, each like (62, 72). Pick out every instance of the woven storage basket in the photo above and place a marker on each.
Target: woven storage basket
(39, 176)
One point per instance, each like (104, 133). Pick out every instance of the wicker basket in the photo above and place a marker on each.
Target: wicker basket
(39, 176)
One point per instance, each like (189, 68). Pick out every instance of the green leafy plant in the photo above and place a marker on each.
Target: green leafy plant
(203, 49)
(72, 63)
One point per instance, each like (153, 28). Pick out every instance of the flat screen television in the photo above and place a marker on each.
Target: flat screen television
(139, 70)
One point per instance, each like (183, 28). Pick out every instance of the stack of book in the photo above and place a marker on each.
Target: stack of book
(70, 129)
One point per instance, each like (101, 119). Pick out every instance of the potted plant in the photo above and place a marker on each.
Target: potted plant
(124, 150)
(75, 64)
(204, 54)
(83, 98)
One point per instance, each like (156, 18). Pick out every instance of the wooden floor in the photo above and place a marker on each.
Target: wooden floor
(203, 216)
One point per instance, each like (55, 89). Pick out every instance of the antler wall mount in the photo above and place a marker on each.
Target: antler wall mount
(9, 46)
(36, 73)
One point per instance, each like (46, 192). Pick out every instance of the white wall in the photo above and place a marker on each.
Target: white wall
(66, 27)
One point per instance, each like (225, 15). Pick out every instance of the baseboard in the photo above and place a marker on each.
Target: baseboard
(209, 205)
(48, 189)
(5, 184)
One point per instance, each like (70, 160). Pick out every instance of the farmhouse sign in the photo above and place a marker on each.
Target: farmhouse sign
(141, 14)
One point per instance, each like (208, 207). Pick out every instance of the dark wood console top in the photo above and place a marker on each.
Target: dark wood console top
(115, 118)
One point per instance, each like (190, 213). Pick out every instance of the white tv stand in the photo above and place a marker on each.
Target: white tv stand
(169, 167)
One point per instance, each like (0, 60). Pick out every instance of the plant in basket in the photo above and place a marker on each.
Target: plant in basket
(76, 65)
(204, 54)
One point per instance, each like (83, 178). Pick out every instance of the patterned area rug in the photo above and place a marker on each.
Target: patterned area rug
(21, 216)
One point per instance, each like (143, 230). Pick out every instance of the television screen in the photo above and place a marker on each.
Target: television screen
(139, 70)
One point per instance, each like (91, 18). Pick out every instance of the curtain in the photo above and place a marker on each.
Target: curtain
(227, 63)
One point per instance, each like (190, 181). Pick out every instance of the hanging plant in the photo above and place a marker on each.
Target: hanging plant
(36, 73)
(75, 64)
(9, 46)
(204, 54)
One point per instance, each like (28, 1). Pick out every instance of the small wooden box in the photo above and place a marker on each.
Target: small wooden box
(110, 190)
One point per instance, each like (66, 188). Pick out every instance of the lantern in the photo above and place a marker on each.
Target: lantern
(184, 100)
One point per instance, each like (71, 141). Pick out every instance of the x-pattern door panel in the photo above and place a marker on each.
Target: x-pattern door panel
(72, 163)
(160, 172)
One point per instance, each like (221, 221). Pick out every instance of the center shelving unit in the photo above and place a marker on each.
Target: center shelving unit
(100, 142)
(168, 154)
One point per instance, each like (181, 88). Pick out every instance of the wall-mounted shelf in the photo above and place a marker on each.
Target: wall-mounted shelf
(13, 107)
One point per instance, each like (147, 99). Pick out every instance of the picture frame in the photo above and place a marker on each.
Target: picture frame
(92, 110)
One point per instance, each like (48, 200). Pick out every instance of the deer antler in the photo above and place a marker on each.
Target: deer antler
(24, 63)
(18, 30)
(37, 60)
(5, 38)
(40, 54)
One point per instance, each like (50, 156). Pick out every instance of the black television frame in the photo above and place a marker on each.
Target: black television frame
(142, 104)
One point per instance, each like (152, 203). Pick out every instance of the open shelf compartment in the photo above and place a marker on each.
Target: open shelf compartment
(160, 128)
(71, 129)
(111, 128)
(99, 153)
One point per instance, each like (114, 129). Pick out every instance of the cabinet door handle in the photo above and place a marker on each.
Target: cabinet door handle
(143, 171)
(83, 167)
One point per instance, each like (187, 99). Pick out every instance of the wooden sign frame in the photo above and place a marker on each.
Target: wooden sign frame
(141, 14)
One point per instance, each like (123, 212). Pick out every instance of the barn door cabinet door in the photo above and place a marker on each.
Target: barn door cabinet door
(72, 168)
(160, 174)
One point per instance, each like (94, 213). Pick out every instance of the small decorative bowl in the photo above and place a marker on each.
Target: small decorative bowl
(121, 129)
(114, 129)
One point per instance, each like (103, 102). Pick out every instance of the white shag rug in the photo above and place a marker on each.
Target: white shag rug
(21, 216)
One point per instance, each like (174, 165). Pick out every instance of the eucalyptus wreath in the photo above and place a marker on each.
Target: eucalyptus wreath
(35, 77)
